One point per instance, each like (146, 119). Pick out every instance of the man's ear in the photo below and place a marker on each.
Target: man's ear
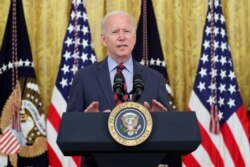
(103, 40)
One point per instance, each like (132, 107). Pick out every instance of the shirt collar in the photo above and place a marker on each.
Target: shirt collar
(128, 64)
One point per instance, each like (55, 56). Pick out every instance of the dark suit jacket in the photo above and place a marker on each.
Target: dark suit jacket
(93, 84)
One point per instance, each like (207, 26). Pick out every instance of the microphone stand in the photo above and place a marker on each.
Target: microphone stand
(130, 97)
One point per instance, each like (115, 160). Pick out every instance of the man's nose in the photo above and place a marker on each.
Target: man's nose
(121, 35)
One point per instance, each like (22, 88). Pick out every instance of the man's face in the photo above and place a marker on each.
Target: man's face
(119, 36)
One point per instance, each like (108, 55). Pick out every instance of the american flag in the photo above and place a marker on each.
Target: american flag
(148, 50)
(9, 143)
(217, 102)
(77, 53)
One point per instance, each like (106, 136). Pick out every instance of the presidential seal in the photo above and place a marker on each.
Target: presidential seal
(130, 123)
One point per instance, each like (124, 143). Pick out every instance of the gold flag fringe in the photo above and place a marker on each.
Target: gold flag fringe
(13, 160)
(39, 147)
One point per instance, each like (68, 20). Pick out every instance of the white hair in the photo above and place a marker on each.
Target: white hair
(114, 13)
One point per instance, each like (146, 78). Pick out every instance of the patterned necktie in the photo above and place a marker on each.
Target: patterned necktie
(119, 69)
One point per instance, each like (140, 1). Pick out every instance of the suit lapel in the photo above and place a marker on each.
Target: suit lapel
(138, 68)
(103, 78)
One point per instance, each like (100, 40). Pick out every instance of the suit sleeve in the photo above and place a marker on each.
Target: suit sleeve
(163, 94)
(76, 95)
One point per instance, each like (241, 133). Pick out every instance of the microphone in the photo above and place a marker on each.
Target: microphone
(118, 86)
(138, 86)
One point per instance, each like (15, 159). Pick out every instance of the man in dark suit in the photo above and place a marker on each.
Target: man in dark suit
(92, 90)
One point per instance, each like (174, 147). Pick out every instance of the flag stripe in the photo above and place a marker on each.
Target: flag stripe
(194, 158)
(232, 146)
(54, 118)
(58, 101)
(77, 160)
(9, 144)
(243, 122)
(52, 135)
(191, 160)
(6, 136)
(204, 159)
(211, 148)
(239, 145)
(13, 147)
(53, 158)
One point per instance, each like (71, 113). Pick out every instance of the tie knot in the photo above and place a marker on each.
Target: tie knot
(120, 67)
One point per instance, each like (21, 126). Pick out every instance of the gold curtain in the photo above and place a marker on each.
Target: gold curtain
(180, 25)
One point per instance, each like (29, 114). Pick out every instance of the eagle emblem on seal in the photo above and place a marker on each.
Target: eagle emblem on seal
(130, 123)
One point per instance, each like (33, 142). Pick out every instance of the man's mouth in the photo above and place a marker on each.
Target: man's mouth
(121, 46)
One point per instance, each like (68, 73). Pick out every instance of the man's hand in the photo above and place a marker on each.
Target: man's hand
(93, 107)
(155, 106)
